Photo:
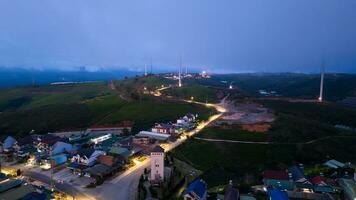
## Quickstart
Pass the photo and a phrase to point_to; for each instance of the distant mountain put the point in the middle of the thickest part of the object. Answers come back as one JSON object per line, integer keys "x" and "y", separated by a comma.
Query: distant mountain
{"x": 13, "y": 77}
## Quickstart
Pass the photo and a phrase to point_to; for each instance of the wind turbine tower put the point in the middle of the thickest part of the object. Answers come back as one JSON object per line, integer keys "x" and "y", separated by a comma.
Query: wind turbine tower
{"x": 145, "y": 69}
{"x": 151, "y": 65}
{"x": 321, "y": 98}
{"x": 179, "y": 73}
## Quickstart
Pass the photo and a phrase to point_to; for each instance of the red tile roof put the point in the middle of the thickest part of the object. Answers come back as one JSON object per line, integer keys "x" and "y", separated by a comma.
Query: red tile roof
{"x": 318, "y": 180}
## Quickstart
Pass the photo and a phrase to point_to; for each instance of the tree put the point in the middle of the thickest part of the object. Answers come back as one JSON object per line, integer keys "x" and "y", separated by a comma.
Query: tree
{"x": 18, "y": 172}
{"x": 125, "y": 132}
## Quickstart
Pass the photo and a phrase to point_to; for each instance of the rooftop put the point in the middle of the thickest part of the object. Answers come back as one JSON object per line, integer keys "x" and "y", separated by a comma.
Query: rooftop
{"x": 274, "y": 174}
{"x": 276, "y": 194}
{"x": 158, "y": 149}
{"x": 198, "y": 187}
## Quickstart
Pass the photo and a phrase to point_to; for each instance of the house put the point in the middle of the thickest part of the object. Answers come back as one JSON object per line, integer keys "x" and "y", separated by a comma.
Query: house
{"x": 98, "y": 170}
{"x": 297, "y": 174}
{"x": 108, "y": 160}
{"x": 334, "y": 164}
{"x": 156, "y": 136}
{"x": 320, "y": 185}
{"x": 61, "y": 147}
{"x": 117, "y": 129}
{"x": 121, "y": 152}
{"x": 277, "y": 179}
{"x": 142, "y": 140}
{"x": 107, "y": 144}
{"x": 275, "y": 194}
{"x": 77, "y": 168}
{"x": 45, "y": 142}
{"x": 15, "y": 189}
{"x": 231, "y": 193}
{"x": 9, "y": 144}
{"x": 26, "y": 141}
{"x": 53, "y": 161}
{"x": 157, "y": 164}
{"x": 166, "y": 128}
{"x": 188, "y": 118}
{"x": 87, "y": 156}
{"x": 127, "y": 141}
{"x": 35, "y": 196}
{"x": 349, "y": 188}
{"x": 196, "y": 190}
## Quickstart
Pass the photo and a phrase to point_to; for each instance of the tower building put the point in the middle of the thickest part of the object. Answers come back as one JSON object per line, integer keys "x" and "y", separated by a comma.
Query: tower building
{"x": 157, "y": 164}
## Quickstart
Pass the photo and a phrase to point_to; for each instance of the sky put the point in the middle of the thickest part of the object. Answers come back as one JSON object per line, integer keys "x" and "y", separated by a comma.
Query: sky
{"x": 215, "y": 35}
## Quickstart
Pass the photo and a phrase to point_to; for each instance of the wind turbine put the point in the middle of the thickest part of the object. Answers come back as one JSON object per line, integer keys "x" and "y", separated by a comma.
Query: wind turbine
{"x": 179, "y": 73}
{"x": 145, "y": 69}
{"x": 321, "y": 98}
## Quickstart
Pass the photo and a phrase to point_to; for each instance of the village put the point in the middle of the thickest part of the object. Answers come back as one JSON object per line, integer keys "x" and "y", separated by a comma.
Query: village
{"x": 81, "y": 158}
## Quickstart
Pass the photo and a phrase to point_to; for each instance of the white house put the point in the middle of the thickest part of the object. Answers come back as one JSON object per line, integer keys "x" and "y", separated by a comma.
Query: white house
{"x": 87, "y": 156}
{"x": 157, "y": 164}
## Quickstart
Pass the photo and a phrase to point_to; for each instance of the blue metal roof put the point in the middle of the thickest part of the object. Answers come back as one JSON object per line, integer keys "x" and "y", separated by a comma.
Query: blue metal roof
{"x": 9, "y": 142}
{"x": 198, "y": 187}
{"x": 275, "y": 194}
{"x": 297, "y": 172}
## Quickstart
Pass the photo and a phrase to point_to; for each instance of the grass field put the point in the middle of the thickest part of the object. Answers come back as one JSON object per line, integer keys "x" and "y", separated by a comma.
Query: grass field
{"x": 146, "y": 113}
{"x": 198, "y": 92}
{"x": 300, "y": 122}
{"x": 232, "y": 134}
{"x": 297, "y": 124}
{"x": 67, "y": 107}
{"x": 34, "y": 97}
{"x": 244, "y": 163}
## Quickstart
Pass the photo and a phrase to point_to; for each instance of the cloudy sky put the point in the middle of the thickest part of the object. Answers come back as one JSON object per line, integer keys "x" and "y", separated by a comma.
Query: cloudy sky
{"x": 216, "y": 35}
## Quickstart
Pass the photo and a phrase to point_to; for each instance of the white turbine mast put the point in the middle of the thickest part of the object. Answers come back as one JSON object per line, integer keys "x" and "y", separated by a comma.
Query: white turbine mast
{"x": 321, "y": 98}
{"x": 179, "y": 73}
{"x": 145, "y": 69}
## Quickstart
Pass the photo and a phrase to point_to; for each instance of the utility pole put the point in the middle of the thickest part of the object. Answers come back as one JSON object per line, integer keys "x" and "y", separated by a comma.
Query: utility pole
{"x": 51, "y": 162}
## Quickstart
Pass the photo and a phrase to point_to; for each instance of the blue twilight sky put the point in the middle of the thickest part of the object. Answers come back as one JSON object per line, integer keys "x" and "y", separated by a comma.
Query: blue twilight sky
{"x": 215, "y": 35}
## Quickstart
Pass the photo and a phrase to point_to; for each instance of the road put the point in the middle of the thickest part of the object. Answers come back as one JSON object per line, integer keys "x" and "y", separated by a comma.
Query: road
{"x": 64, "y": 187}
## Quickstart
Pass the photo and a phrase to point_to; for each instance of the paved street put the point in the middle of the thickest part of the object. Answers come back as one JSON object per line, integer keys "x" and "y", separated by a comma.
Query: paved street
{"x": 65, "y": 187}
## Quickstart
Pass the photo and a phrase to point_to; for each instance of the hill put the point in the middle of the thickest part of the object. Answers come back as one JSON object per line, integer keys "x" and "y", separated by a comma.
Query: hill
{"x": 77, "y": 106}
